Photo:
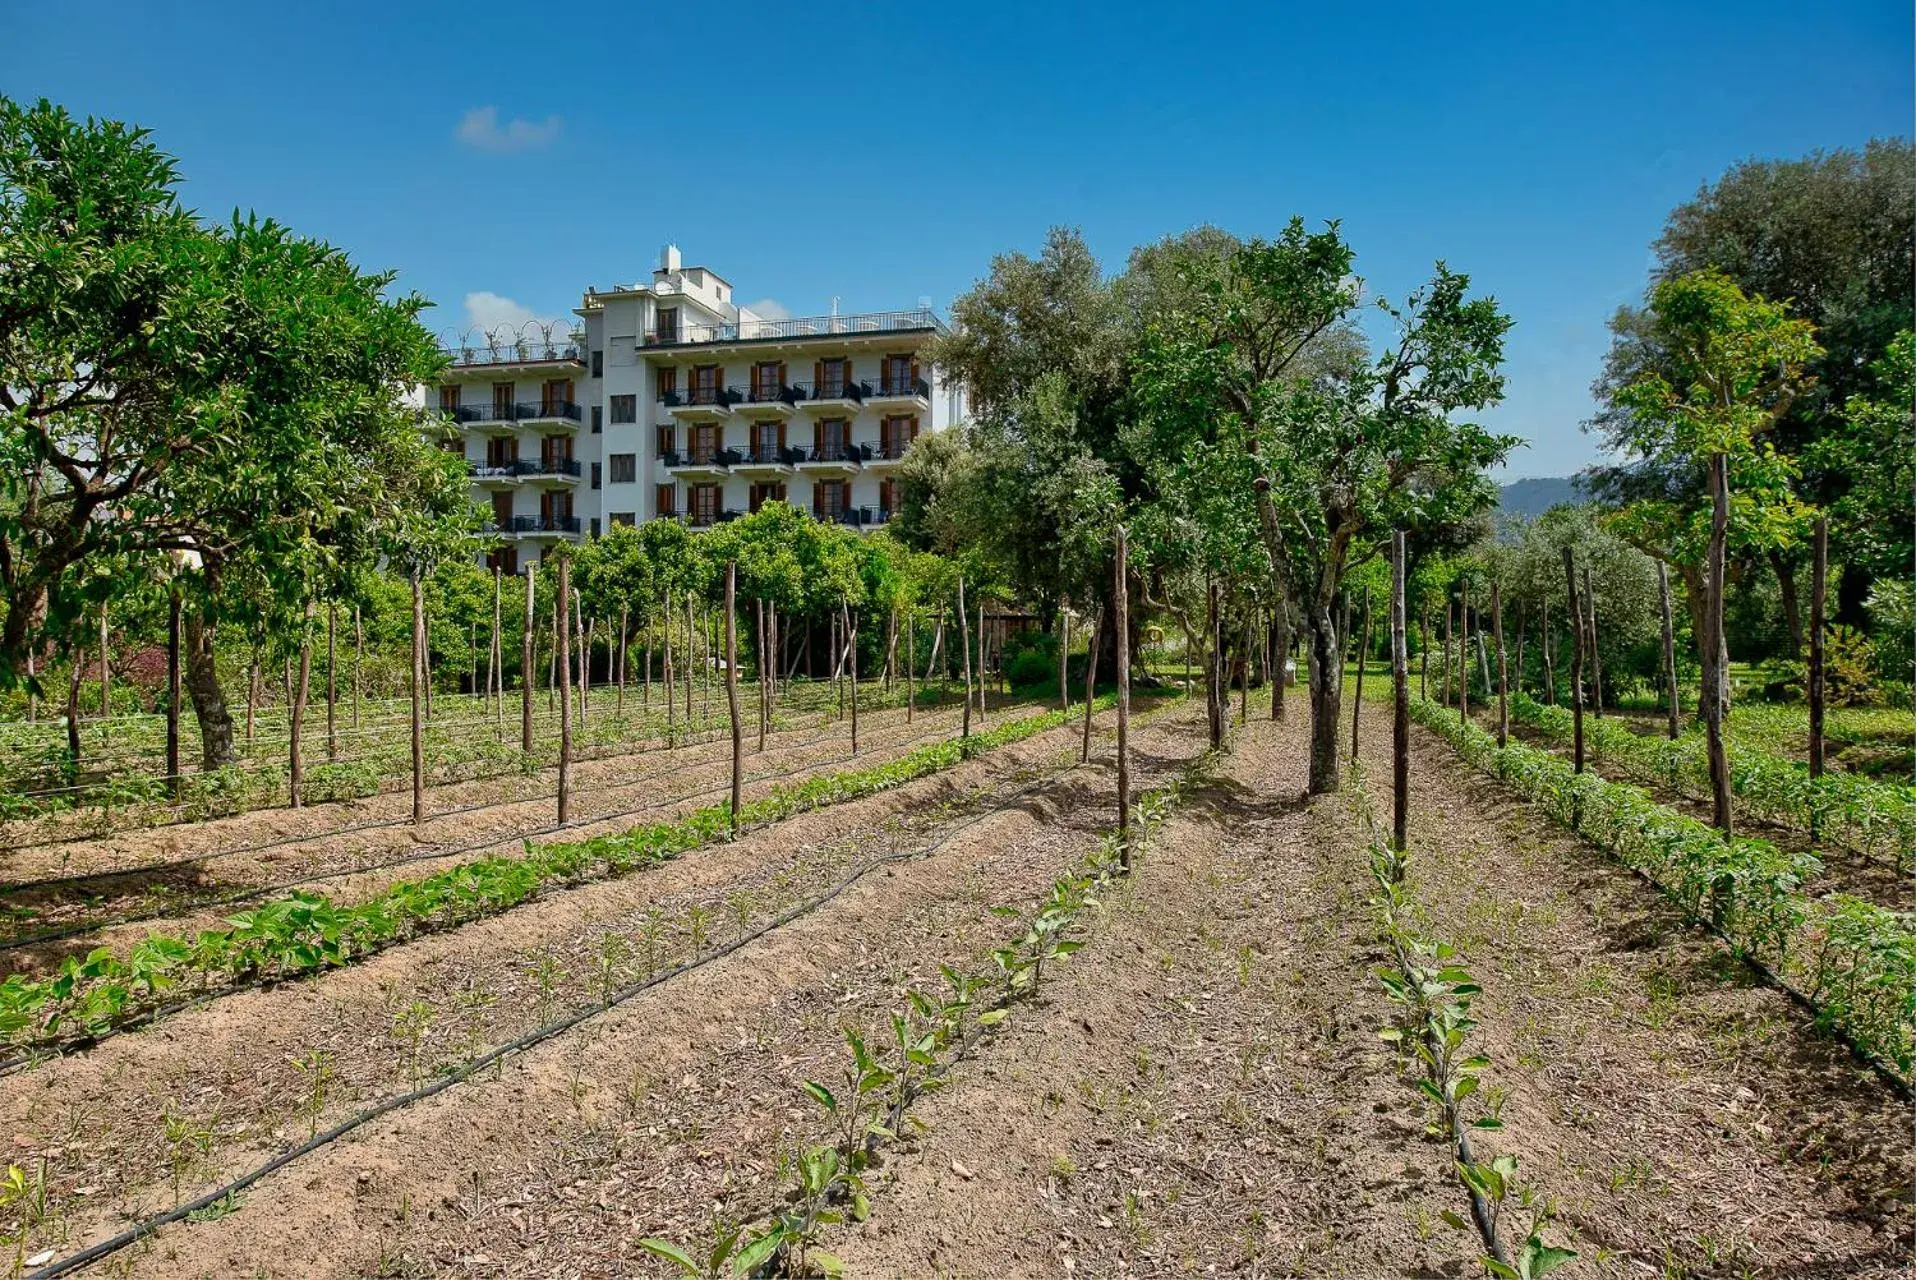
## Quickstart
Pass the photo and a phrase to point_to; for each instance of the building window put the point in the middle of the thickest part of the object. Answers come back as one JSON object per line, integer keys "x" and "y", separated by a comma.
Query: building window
{"x": 595, "y": 475}
{"x": 449, "y": 398}
{"x": 665, "y": 500}
{"x": 668, "y": 324}
{"x": 667, "y": 440}
{"x": 595, "y": 526}
{"x": 768, "y": 380}
{"x": 887, "y": 498}
{"x": 626, "y": 518}
{"x": 764, "y": 493}
{"x": 833, "y": 377}
{"x": 598, "y": 419}
{"x": 625, "y": 409}
{"x": 829, "y": 498}
{"x": 598, "y": 364}
{"x": 625, "y": 467}
{"x": 705, "y": 383}
{"x": 830, "y": 436}
{"x": 504, "y": 559}
{"x": 705, "y": 504}
{"x": 895, "y": 435}
{"x": 668, "y": 383}
{"x": 502, "y": 401}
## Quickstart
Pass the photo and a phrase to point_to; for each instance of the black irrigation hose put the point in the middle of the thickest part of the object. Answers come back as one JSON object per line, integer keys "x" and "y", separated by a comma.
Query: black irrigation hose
{"x": 39, "y": 1054}
{"x": 174, "y": 864}
{"x": 132, "y": 1235}
{"x": 447, "y": 851}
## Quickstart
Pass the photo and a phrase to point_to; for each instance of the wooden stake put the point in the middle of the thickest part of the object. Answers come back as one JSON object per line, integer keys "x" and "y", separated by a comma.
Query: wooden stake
{"x": 106, "y": 677}
{"x": 1091, "y": 637}
{"x": 252, "y": 697}
{"x": 763, "y": 688}
{"x": 359, "y": 656}
{"x": 911, "y": 663}
{"x": 731, "y": 694}
{"x": 527, "y": 662}
{"x": 1064, "y": 657}
{"x": 563, "y": 643}
{"x": 1450, "y": 620}
{"x": 1549, "y": 669}
{"x": 295, "y": 774}
{"x": 332, "y": 681}
{"x": 964, "y": 640}
{"x": 172, "y": 697}
{"x": 1819, "y": 676}
{"x": 1400, "y": 698}
{"x": 1119, "y": 633}
{"x": 495, "y": 676}
{"x": 624, "y": 623}
{"x": 851, "y": 660}
{"x": 1503, "y": 673}
{"x": 1463, "y": 652}
{"x": 691, "y": 636}
{"x": 416, "y": 683}
{"x": 671, "y": 696}
{"x": 1596, "y": 656}
{"x": 981, "y": 660}
{"x": 1357, "y": 704}
{"x": 1576, "y": 656}
{"x": 1669, "y": 650}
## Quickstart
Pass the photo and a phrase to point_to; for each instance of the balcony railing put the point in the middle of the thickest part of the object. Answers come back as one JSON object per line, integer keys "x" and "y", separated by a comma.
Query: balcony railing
{"x": 510, "y": 347}
{"x": 700, "y": 457}
{"x": 889, "y": 451}
{"x": 833, "y": 452}
{"x": 766, "y": 455}
{"x": 904, "y": 387}
{"x": 719, "y": 397}
{"x": 832, "y": 389}
{"x": 513, "y": 412}
{"x": 919, "y": 318}
{"x": 858, "y": 516}
{"x": 550, "y": 467}
{"x": 706, "y": 519}
{"x": 767, "y": 393}
{"x": 545, "y": 524}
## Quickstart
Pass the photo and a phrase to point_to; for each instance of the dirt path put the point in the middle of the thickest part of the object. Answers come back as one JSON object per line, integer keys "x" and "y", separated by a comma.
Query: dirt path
{"x": 239, "y": 1075}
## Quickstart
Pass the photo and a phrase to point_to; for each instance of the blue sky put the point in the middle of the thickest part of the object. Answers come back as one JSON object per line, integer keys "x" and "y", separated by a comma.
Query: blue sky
{"x": 512, "y": 154}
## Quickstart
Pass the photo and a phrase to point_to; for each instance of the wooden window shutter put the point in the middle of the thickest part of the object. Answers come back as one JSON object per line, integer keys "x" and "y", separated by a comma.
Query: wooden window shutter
{"x": 818, "y": 498}
{"x": 781, "y": 437}
{"x": 818, "y": 378}
{"x": 884, "y": 437}
{"x": 914, "y": 371}
{"x": 818, "y": 437}
{"x": 914, "y": 428}
{"x": 781, "y": 376}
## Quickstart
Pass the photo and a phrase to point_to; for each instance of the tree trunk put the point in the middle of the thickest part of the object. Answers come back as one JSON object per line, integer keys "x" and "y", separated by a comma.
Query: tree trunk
{"x": 209, "y": 700}
{"x": 1213, "y": 694}
{"x": 1327, "y": 678}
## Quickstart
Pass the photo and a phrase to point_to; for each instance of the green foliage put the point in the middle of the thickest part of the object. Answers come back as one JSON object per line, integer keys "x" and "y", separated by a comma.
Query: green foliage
{"x": 1854, "y": 960}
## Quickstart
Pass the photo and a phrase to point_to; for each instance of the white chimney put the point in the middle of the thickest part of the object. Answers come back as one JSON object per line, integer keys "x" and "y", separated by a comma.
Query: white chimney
{"x": 669, "y": 258}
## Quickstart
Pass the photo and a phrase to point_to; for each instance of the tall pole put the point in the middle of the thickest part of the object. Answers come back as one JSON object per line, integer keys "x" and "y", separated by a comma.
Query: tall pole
{"x": 671, "y": 694}
{"x": 418, "y": 666}
{"x": 1450, "y": 619}
{"x": 1819, "y": 692}
{"x": 172, "y": 692}
{"x": 1716, "y": 680}
{"x": 851, "y": 658}
{"x": 1576, "y": 655}
{"x": 295, "y": 778}
{"x": 964, "y": 641}
{"x": 1400, "y": 698}
{"x": 625, "y": 619}
{"x": 564, "y": 642}
{"x": 763, "y": 688}
{"x": 1549, "y": 658}
{"x": 981, "y": 660}
{"x": 332, "y": 681}
{"x": 911, "y": 662}
{"x": 1064, "y": 657}
{"x": 106, "y": 678}
{"x": 1596, "y": 657}
{"x": 1092, "y": 635}
{"x": 1503, "y": 670}
{"x": 691, "y": 633}
{"x": 731, "y": 691}
{"x": 1669, "y": 650}
{"x": 526, "y": 661}
{"x": 1463, "y": 651}
{"x": 495, "y": 675}
{"x": 1363, "y": 653}
{"x": 359, "y": 660}
{"x": 1122, "y": 591}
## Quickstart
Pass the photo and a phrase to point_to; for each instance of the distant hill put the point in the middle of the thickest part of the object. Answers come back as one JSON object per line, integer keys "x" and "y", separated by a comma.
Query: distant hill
{"x": 1531, "y": 498}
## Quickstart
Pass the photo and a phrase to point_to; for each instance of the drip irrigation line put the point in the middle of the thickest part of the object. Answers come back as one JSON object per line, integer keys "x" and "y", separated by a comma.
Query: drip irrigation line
{"x": 38, "y": 1054}
{"x": 1884, "y": 1070}
{"x": 531, "y": 1039}
{"x": 180, "y": 818}
{"x": 149, "y": 868}
{"x": 451, "y": 851}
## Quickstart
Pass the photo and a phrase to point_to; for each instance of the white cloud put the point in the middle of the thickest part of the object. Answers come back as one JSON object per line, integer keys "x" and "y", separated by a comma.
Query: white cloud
{"x": 487, "y": 310}
{"x": 769, "y": 309}
{"x": 479, "y": 128}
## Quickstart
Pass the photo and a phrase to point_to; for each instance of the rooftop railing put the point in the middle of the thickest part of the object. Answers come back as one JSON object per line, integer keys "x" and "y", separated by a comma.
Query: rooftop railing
{"x": 866, "y": 322}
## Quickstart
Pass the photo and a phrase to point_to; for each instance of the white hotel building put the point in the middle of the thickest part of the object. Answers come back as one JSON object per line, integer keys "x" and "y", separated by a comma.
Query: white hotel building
{"x": 673, "y": 402}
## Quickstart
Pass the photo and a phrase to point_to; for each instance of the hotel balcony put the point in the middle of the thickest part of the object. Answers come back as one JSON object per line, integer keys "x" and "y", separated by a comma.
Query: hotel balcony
{"x": 546, "y": 528}
{"x": 833, "y": 460}
{"x": 702, "y": 404}
{"x": 832, "y": 398}
{"x": 534, "y": 348}
{"x": 887, "y": 456}
{"x": 553, "y": 473}
{"x": 760, "y": 463}
{"x": 498, "y": 475}
{"x": 765, "y": 401}
{"x": 857, "y": 517}
{"x": 500, "y": 419}
{"x": 872, "y": 324}
{"x": 706, "y": 519}
{"x": 698, "y": 464}
{"x": 889, "y": 394}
